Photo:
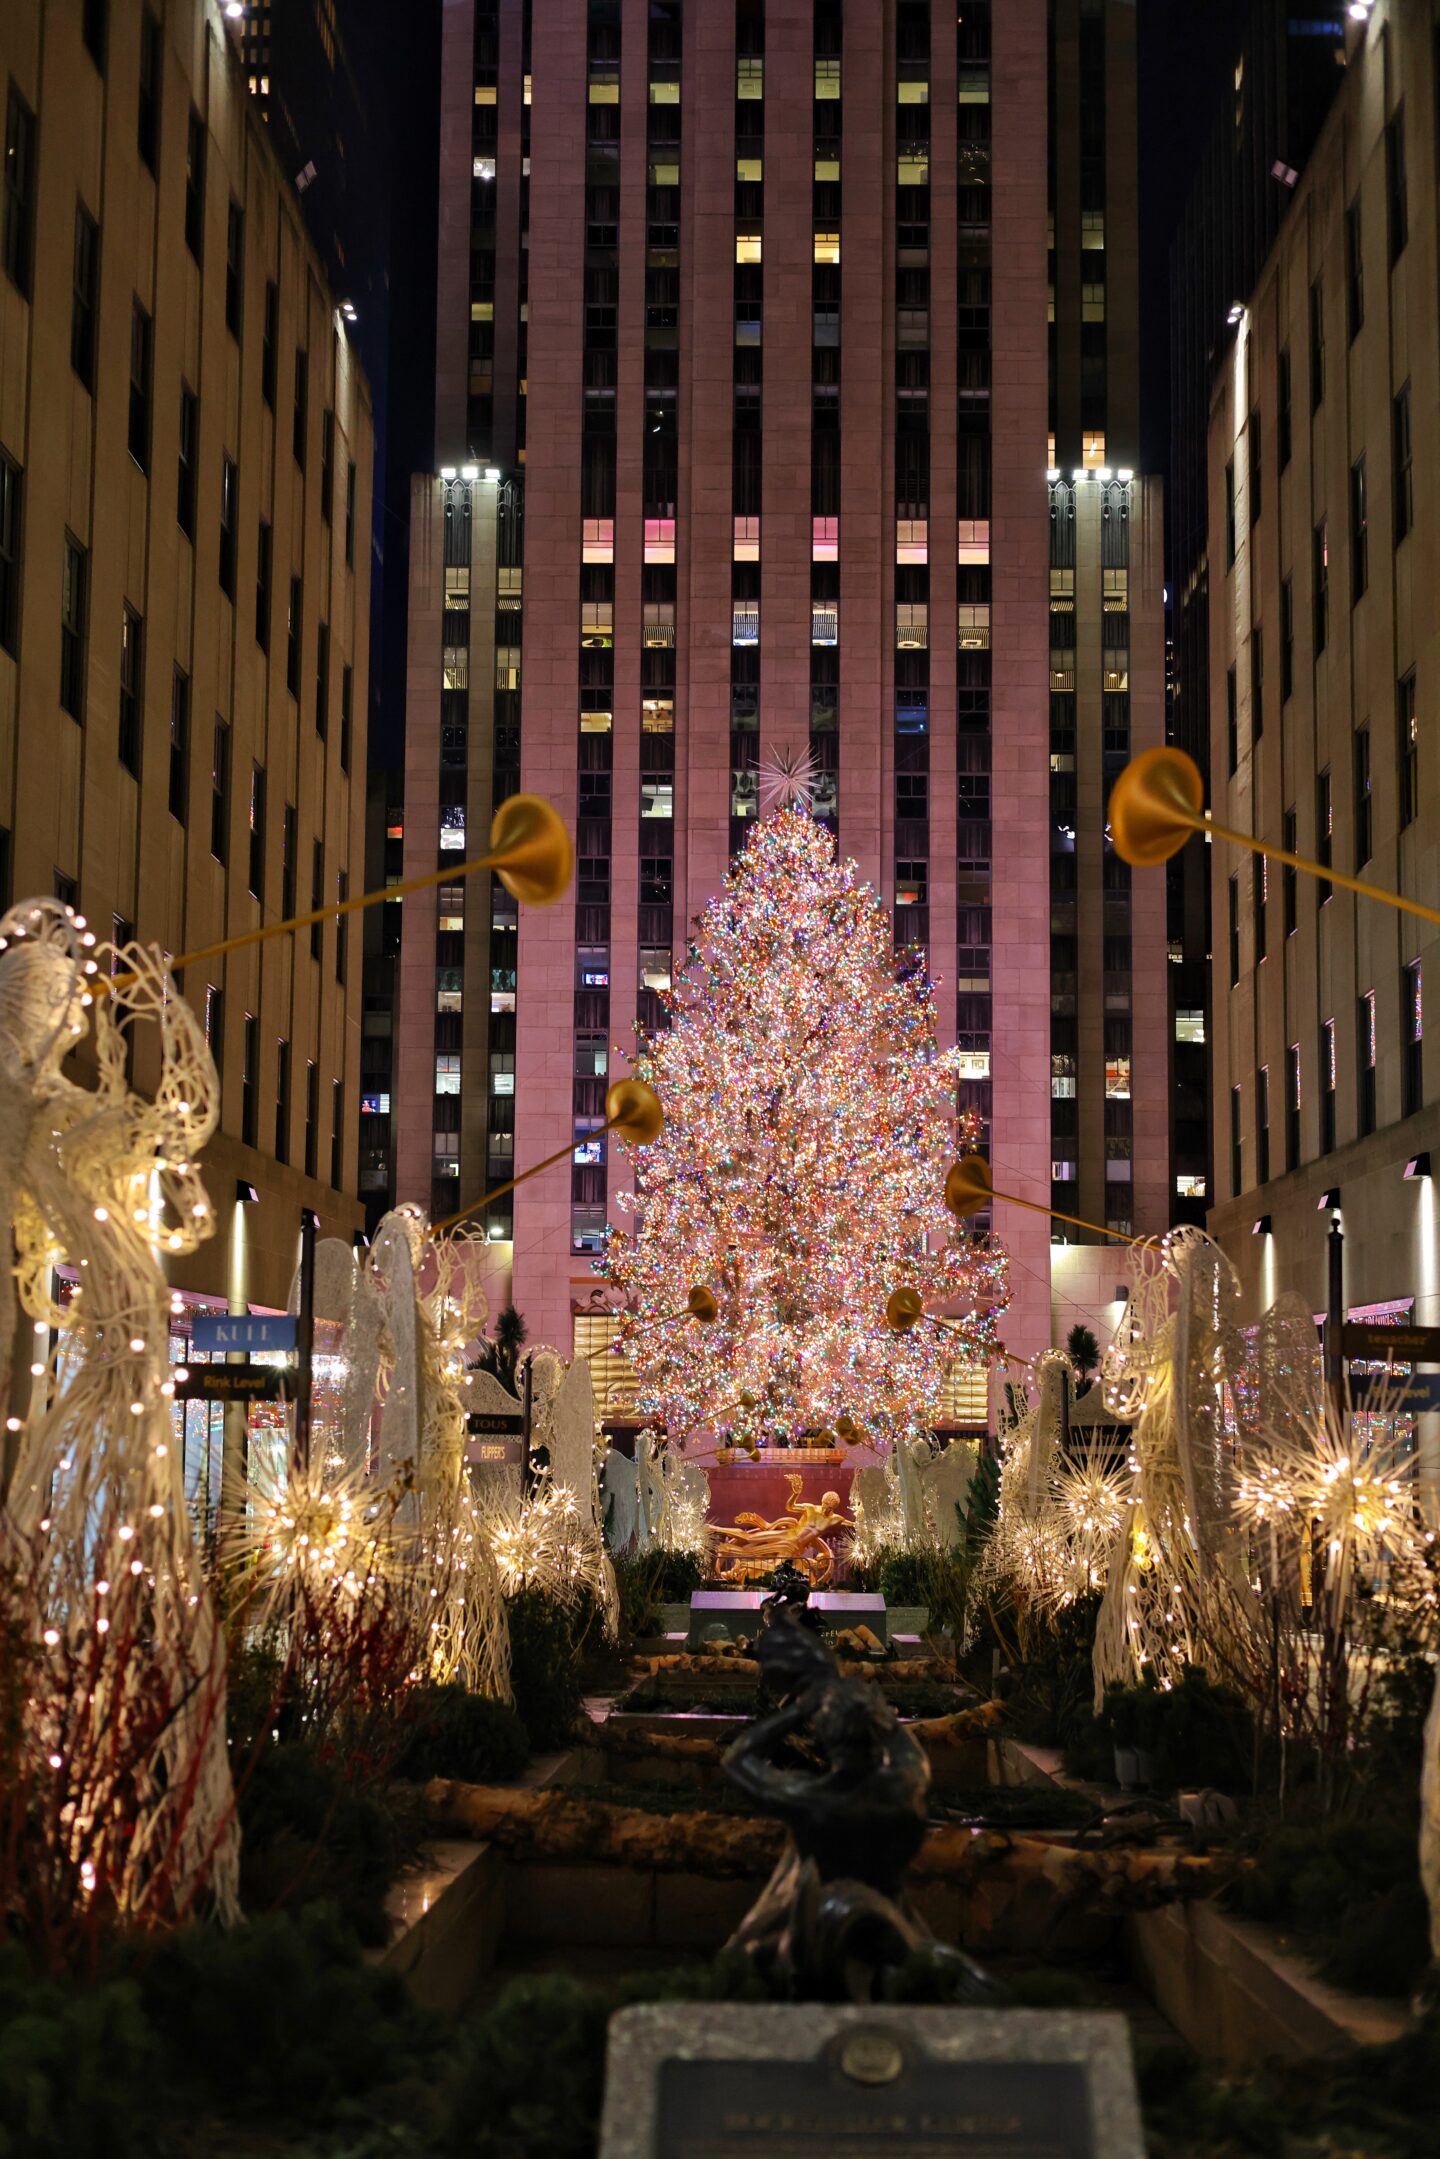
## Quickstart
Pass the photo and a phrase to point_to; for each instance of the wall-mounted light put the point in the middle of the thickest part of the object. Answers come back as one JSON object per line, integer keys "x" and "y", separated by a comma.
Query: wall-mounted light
{"x": 1418, "y": 1165}
{"x": 360, "y": 1242}
{"x": 347, "y": 309}
{"x": 469, "y": 472}
{"x": 1082, "y": 474}
{"x": 447, "y": 472}
{"x": 1126, "y": 474}
{"x": 1329, "y": 1201}
{"x": 1102, "y": 472}
{"x": 1052, "y": 472}
{"x": 1260, "y": 1227}
{"x": 245, "y": 1194}
{"x": 492, "y": 472}
{"x": 1237, "y": 309}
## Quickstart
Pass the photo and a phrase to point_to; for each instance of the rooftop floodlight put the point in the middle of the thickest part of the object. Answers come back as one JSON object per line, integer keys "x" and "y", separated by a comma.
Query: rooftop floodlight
{"x": 1418, "y": 1166}
{"x": 1102, "y": 472}
{"x": 1260, "y": 1227}
{"x": 447, "y": 472}
{"x": 492, "y": 472}
{"x": 234, "y": 9}
{"x": 469, "y": 472}
{"x": 1052, "y": 472}
{"x": 1080, "y": 474}
{"x": 245, "y": 1193}
{"x": 1237, "y": 309}
{"x": 1126, "y": 472}
{"x": 1329, "y": 1199}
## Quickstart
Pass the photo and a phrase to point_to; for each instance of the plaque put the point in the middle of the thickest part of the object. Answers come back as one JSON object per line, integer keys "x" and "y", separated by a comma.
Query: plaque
{"x": 783, "y": 2082}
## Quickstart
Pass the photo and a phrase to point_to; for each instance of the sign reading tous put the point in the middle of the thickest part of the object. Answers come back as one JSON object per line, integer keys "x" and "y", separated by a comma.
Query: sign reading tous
{"x": 780, "y": 2082}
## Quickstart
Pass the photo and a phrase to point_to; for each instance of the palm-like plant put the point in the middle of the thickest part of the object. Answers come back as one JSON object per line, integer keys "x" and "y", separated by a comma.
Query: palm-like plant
{"x": 500, "y": 1353}
{"x": 1083, "y": 1351}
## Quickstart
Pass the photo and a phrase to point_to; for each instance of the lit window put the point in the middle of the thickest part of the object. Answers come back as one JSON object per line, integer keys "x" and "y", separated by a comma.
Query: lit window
{"x": 744, "y": 793}
{"x": 451, "y": 910}
{"x": 659, "y": 624}
{"x": 912, "y": 93}
{"x": 745, "y": 622}
{"x": 1092, "y": 228}
{"x": 507, "y": 667}
{"x": 595, "y": 720}
{"x": 1117, "y": 1079}
{"x": 912, "y": 542}
{"x": 1117, "y": 1170}
{"x": 972, "y": 621}
{"x": 972, "y": 540}
{"x": 1092, "y": 303}
{"x": 1190, "y": 1185}
{"x": 659, "y": 539}
{"x": 604, "y": 86}
{"x": 657, "y": 798}
{"x": 1092, "y": 449}
{"x": 588, "y": 1151}
{"x": 447, "y": 1154}
{"x": 827, "y": 247}
{"x": 509, "y": 587}
{"x": 824, "y": 539}
{"x": 827, "y": 168}
{"x": 502, "y": 1001}
{"x": 825, "y": 622}
{"x": 655, "y": 967}
{"x": 747, "y": 539}
{"x": 657, "y": 716}
{"x": 972, "y": 1064}
{"x": 1063, "y": 1088}
{"x": 452, "y": 829}
{"x": 597, "y": 625}
{"x": 455, "y": 668}
{"x": 1190, "y": 1025}
{"x": 664, "y": 172}
{"x": 485, "y": 93}
{"x": 911, "y": 889}
{"x": 484, "y": 168}
{"x": 747, "y": 247}
{"x": 1115, "y": 590}
{"x": 449, "y": 994}
{"x": 597, "y": 539}
{"x": 913, "y": 167}
{"x": 374, "y": 1105}
{"x": 1062, "y": 1173}
{"x": 974, "y": 87}
{"x": 750, "y": 78}
{"x": 502, "y": 1083}
{"x": 827, "y": 78}
{"x": 912, "y": 625}
{"x": 749, "y": 170}
{"x": 447, "y": 1075}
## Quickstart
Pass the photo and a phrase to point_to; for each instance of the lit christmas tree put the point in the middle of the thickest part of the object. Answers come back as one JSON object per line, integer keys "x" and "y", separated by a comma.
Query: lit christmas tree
{"x": 809, "y": 1121}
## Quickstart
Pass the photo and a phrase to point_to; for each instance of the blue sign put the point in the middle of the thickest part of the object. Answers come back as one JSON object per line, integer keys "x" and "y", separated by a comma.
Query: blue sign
{"x": 1411, "y": 1394}
{"x": 217, "y": 1332}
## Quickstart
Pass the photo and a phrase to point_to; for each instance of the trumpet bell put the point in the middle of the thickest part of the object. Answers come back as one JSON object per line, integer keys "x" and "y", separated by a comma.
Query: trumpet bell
{"x": 532, "y": 852}
{"x": 968, "y": 1189}
{"x": 633, "y": 1112}
{"x": 1155, "y": 805}
{"x": 903, "y": 1310}
{"x": 701, "y": 1304}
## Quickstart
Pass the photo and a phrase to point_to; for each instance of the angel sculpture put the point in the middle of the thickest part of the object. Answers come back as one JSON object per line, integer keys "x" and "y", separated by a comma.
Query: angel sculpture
{"x": 125, "y": 1743}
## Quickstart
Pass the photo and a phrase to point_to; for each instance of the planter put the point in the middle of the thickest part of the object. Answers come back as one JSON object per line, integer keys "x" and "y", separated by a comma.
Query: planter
{"x": 907, "y": 1618}
{"x": 1127, "y": 1768}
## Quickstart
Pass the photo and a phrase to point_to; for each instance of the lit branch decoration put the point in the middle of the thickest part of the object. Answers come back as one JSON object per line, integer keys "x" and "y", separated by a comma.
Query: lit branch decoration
{"x": 809, "y": 1121}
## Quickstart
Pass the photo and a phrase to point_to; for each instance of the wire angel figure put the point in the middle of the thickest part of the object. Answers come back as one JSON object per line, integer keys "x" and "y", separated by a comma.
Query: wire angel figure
{"x": 130, "y": 1804}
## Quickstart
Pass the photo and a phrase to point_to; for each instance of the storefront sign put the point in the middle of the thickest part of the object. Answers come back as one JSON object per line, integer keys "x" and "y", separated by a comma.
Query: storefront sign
{"x": 213, "y": 1333}
{"x": 1398, "y": 1345}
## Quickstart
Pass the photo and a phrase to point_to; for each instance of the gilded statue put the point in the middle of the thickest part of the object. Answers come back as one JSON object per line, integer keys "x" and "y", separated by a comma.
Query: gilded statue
{"x": 754, "y": 1546}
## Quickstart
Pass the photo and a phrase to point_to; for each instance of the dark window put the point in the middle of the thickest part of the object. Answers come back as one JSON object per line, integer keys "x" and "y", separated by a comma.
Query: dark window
{"x": 322, "y": 679}
{"x": 1327, "y": 1087}
{"x": 1262, "y": 1125}
{"x": 350, "y": 513}
{"x": 342, "y": 923}
{"x": 11, "y": 489}
{"x": 1412, "y": 1040}
{"x": 1236, "y": 1158}
{"x": 289, "y": 857}
{"x": 1320, "y": 586}
{"x": 140, "y": 350}
{"x": 1257, "y": 683}
{"x": 1290, "y": 876}
{"x": 1232, "y": 723}
{"x": 327, "y": 465}
{"x": 1359, "y": 532}
{"x": 17, "y": 233}
{"x": 220, "y": 792}
{"x": 215, "y": 1023}
{"x": 93, "y": 26}
{"x": 234, "y": 268}
{"x": 132, "y": 691}
{"x": 1317, "y": 345}
{"x": 292, "y": 637}
{"x": 282, "y": 1100}
{"x": 229, "y": 488}
{"x": 195, "y": 186}
{"x": 1396, "y": 194}
{"x": 1404, "y": 482}
{"x": 1354, "y": 271}
{"x": 1407, "y": 747}
{"x": 312, "y": 1116}
{"x": 1282, "y": 409}
{"x": 189, "y": 450}
{"x": 1232, "y": 890}
{"x": 151, "y": 57}
{"x": 264, "y": 571}
{"x": 1365, "y": 1060}
{"x": 1287, "y": 639}
{"x": 1292, "y": 1106}
{"x": 1324, "y": 833}
{"x": 74, "y": 583}
{"x": 302, "y": 400}
{"x": 1229, "y": 514}
{"x": 179, "y": 744}
{"x": 82, "y": 303}
{"x": 256, "y": 870}
{"x": 317, "y": 895}
{"x": 1253, "y": 463}
{"x": 67, "y": 890}
{"x": 347, "y": 696}
{"x": 1362, "y": 796}
{"x": 250, "y": 1080}
{"x": 268, "y": 341}
{"x": 337, "y": 1134}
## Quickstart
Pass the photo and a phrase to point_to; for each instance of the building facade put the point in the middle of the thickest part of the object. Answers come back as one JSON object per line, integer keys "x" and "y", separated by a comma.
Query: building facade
{"x": 786, "y": 401}
{"x": 1324, "y": 659}
{"x": 185, "y": 474}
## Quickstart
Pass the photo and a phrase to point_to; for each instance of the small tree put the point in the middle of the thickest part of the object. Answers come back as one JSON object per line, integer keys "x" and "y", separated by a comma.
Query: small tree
{"x": 500, "y": 1352}
{"x": 1083, "y": 1351}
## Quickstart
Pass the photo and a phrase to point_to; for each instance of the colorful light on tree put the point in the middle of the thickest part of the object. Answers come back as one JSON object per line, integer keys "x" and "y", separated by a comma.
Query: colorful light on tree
{"x": 809, "y": 1123}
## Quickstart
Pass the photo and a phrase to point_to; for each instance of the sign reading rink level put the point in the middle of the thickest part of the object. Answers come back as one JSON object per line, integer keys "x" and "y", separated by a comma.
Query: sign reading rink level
{"x": 1396, "y": 1394}
{"x": 234, "y": 1383}
{"x": 215, "y": 1333}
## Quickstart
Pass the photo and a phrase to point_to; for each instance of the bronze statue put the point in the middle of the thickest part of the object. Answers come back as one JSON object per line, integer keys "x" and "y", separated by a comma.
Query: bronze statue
{"x": 752, "y": 1545}
{"x": 851, "y": 1785}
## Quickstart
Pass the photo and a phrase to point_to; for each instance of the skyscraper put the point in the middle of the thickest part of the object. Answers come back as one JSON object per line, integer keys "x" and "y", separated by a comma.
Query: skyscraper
{"x": 753, "y": 440}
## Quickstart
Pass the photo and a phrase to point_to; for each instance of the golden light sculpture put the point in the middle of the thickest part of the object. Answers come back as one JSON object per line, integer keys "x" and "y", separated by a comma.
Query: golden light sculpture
{"x": 968, "y": 1190}
{"x": 531, "y": 852}
{"x": 633, "y": 1112}
{"x": 703, "y": 1305}
{"x": 753, "y": 1545}
{"x": 1159, "y": 800}
{"x": 904, "y": 1310}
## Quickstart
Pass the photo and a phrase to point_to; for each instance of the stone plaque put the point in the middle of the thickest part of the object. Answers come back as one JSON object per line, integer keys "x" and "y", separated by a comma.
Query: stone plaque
{"x": 743, "y": 2082}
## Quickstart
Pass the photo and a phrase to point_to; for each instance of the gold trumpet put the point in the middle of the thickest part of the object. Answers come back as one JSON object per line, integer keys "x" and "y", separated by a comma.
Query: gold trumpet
{"x": 1159, "y": 800}
{"x": 969, "y": 1190}
{"x": 632, "y": 1112}
{"x": 904, "y": 1310}
{"x": 700, "y": 1304}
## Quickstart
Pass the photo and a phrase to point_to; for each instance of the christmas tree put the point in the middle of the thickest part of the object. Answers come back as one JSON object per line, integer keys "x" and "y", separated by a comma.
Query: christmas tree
{"x": 809, "y": 1120}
